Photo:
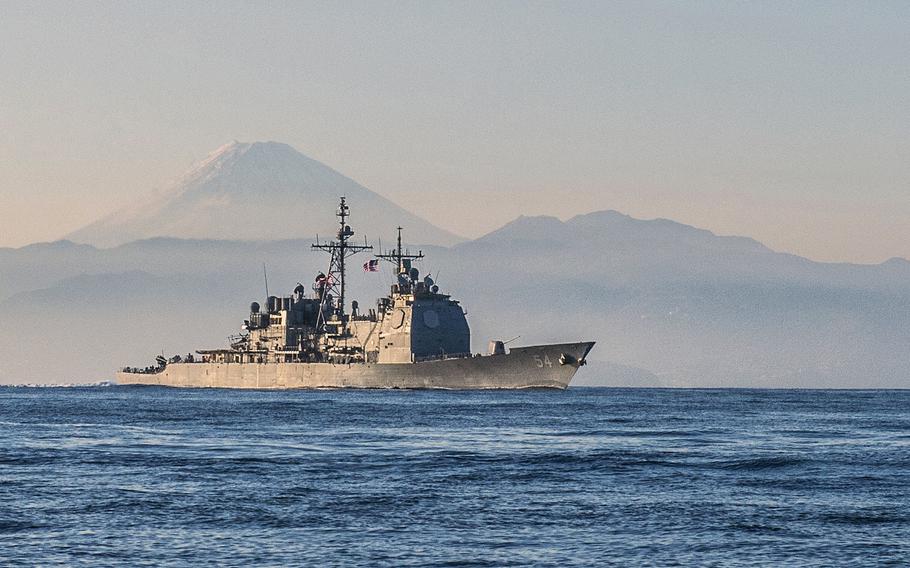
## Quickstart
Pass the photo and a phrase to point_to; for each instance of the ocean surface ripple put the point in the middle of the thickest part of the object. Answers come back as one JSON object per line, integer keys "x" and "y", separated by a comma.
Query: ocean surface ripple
{"x": 143, "y": 476}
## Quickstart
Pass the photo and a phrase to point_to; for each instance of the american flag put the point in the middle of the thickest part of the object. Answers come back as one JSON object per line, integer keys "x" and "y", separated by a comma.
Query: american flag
{"x": 371, "y": 265}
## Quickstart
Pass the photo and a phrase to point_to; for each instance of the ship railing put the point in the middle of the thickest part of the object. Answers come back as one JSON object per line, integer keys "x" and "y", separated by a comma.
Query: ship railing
{"x": 143, "y": 370}
{"x": 442, "y": 357}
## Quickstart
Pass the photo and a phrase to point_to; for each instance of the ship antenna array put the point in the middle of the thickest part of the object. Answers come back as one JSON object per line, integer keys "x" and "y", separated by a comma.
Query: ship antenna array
{"x": 399, "y": 255}
{"x": 340, "y": 250}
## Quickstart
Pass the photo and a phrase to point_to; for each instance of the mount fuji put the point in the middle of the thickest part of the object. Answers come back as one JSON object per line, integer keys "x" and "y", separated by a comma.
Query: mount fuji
{"x": 257, "y": 191}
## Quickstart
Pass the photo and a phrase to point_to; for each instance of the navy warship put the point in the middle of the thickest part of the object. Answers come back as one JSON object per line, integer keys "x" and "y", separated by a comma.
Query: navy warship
{"x": 415, "y": 338}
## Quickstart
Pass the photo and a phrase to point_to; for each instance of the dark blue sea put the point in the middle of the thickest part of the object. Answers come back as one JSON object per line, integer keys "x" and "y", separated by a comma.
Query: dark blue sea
{"x": 143, "y": 476}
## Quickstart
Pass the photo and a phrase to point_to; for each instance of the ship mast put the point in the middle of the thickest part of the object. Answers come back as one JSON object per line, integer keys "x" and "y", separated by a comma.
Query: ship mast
{"x": 340, "y": 250}
{"x": 399, "y": 255}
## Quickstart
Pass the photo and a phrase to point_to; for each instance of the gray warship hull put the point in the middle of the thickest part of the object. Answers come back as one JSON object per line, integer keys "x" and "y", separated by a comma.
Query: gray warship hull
{"x": 540, "y": 366}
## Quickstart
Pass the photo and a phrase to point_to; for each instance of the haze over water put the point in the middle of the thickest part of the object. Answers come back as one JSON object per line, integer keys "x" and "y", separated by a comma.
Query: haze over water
{"x": 147, "y": 476}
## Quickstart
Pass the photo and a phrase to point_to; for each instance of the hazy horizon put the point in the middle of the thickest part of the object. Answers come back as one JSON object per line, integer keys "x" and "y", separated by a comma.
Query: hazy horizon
{"x": 783, "y": 123}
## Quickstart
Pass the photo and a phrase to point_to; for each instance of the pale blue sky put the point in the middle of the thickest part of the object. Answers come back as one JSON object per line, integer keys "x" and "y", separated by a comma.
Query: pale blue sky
{"x": 788, "y": 122}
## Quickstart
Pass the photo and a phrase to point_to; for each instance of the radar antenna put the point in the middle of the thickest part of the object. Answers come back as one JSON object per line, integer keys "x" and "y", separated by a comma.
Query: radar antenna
{"x": 398, "y": 256}
{"x": 340, "y": 250}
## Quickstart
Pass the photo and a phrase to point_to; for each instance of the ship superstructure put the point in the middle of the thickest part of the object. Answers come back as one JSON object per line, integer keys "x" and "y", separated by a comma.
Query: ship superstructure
{"x": 415, "y": 337}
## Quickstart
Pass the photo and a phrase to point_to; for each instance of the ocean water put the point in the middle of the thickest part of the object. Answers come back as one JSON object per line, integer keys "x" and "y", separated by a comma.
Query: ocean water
{"x": 142, "y": 476}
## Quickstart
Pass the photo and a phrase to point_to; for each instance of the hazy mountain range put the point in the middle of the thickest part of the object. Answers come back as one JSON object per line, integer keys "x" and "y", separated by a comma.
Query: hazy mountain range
{"x": 668, "y": 304}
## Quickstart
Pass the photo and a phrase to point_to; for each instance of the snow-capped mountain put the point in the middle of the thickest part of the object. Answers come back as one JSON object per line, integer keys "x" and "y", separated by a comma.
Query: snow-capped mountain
{"x": 257, "y": 191}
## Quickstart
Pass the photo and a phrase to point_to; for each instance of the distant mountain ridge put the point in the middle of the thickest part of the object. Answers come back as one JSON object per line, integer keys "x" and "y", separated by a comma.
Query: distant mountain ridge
{"x": 669, "y": 304}
{"x": 256, "y": 191}
{"x": 612, "y": 226}
{"x": 612, "y": 248}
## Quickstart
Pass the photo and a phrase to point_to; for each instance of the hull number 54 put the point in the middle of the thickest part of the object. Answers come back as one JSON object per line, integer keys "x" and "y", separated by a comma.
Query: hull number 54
{"x": 541, "y": 363}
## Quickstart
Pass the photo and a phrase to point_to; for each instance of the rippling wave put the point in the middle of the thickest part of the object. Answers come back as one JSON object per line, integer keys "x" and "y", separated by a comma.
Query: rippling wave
{"x": 151, "y": 476}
